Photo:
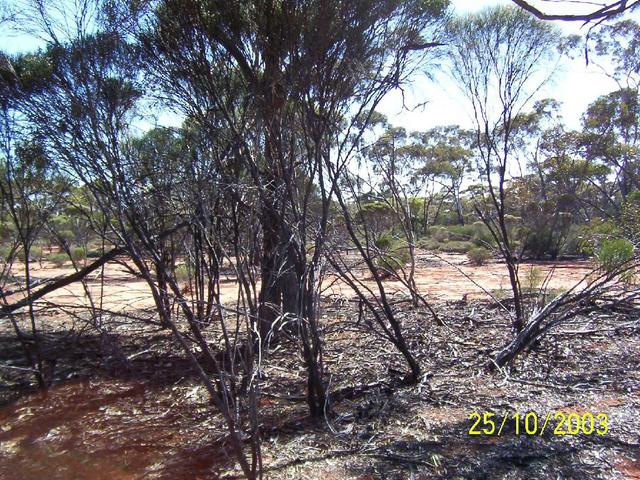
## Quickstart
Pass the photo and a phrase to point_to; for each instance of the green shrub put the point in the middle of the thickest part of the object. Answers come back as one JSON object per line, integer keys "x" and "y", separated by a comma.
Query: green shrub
{"x": 4, "y": 253}
{"x": 456, "y": 246}
{"x": 394, "y": 259}
{"x": 94, "y": 253}
{"x": 593, "y": 235}
{"x": 67, "y": 235}
{"x": 427, "y": 243}
{"x": 57, "y": 259}
{"x": 481, "y": 235}
{"x": 461, "y": 232}
{"x": 182, "y": 273}
{"x": 384, "y": 241}
{"x": 533, "y": 278}
{"x": 613, "y": 253}
{"x": 35, "y": 253}
{"x": 571, "y": 244}
{"x": 440, "y": 234}
{"x": 78, "y": 253}
{"x": 479, "y": 255}
{"x": 630, "y": 218}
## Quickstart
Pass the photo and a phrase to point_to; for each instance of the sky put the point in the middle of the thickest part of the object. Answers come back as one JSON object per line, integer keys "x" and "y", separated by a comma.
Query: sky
{"x": 575, "y": 86}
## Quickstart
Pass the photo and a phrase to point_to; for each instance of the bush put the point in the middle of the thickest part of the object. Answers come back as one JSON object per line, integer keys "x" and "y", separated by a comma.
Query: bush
{"x": 613, "y": 253}
{"x": 393, "y": 260}
{"x": 440, "y": 235}
{"x": 462, "y": 232}
{"x": 78, "y": 253}
{"x": 182, "y": 273}
{"x": 4, "y": 253}
{"x": 481, "y": 234}
{"x": 57, "y": 259}
{"x": 35, "y": 253}
{"x": 427, "y": 243}
{"x": 533, "y": 279}
{"x": 478, "y": 255}
{"x": 456, "y": 246}
{"x": 592, "y": 236}
{"x": 384, "y": 241}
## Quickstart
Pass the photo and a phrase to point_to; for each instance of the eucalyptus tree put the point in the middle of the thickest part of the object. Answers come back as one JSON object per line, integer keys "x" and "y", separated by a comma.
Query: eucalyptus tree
{"x": 289, "y": 80}
{"x": 445, "y": 154}
{"x": 619, "y": 43}
{"x": 611, "y": 137}
{"x": 500, "y": 58}
{"x": 80, "y": 95}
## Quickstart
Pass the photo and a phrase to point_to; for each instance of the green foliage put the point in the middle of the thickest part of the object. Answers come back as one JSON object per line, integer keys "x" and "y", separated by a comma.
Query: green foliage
{"x": 78, "y": 253}
{"x": 182, "y": 273}
{"x": 93, "y": 253}
{"x": 393, "y": 258}
{"x": 35, "y": 253}
{"x": 58, "y": 259}
{"x": 594, "y": 234}
{"x": 630, "y": 218}
{"x": 533, "y": 278}
{"x": 615, "y": 252}
{"x": 478, "y": 255}
{"x": 452, "y": 246}
{"x": 67, "y": 235}
{"x": 457, "y": 246}
{"x": 384, "y": 241}
{"x": 481, "y": 234}
{"x": 439, "y": 234}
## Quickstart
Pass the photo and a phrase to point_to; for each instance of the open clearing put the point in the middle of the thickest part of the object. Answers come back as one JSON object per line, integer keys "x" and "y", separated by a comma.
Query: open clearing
{"x": 442, "y": 277}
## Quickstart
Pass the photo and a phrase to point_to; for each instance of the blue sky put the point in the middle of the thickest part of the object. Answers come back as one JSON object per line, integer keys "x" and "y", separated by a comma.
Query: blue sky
{"x": 576, "y": 86}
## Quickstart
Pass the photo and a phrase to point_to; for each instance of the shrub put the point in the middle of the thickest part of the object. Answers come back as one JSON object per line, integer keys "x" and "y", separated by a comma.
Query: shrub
{"x": 57, "y": 259}
{"x": 182, "y": 273}
{"x": 94, "y": 254}
{"x": 462, "y": 232}
{"x": 456, "y": 246}
{"x": 440, "y": 235}
{"x": 481, "y": 235}
{"x": 384, "y": 241}
{"x": 78, "y": 253}
{"x": 613, "y": 253}
{"x": 4, "y": 253}
{"x": 427, "y": 243}
{"x": 478, "y": 255}
{"x": 67, "y": 235}
{"x": 393, "y": 260}
{"x": 533, "y": 278}
{"x": 35, "y": 253}
{"x": 592, "y": 236}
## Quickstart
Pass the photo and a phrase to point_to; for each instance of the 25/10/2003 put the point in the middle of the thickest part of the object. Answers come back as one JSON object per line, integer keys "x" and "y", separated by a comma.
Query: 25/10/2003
{"x": 561, "y": 423}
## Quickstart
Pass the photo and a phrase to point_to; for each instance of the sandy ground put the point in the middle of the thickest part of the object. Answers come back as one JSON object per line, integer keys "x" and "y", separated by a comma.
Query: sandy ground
{"x": 441, "y": 278}
{"x": 149, "y": 417}
{"x": 128, "y": 405}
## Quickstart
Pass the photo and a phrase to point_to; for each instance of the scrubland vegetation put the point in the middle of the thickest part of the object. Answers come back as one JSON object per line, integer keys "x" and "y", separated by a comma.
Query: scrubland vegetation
{"x": 232, "y": 158}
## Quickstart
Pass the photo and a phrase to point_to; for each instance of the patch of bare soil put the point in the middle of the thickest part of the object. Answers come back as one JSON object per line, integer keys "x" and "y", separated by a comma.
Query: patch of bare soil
{"x": 440, "y": 278}
{"x": 127, "y": 407}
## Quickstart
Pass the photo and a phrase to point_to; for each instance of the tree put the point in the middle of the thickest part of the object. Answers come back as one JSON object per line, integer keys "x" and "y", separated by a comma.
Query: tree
{"x": 619, "y": 43}
{"x": 500, "y": 58}
{"x": 446, "y": 154}
{"x": 298, "y": 73}
{"x": 611, "y": 136}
